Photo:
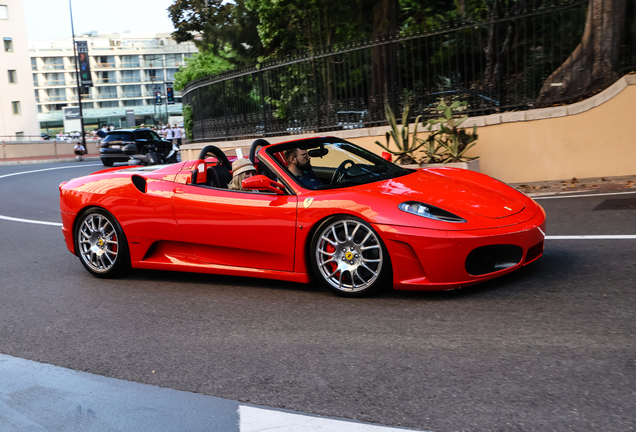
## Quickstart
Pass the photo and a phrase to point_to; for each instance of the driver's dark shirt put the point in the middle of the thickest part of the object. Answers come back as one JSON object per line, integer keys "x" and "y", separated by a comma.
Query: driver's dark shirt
{"x": 309, "y": 179}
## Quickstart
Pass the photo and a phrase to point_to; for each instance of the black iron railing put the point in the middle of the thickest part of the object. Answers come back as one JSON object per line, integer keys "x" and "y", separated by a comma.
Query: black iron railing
{"x": 496, "y": 63}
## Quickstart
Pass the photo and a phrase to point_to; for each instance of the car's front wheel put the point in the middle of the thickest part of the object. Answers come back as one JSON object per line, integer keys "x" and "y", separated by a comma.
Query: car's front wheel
{"x": 101, "y": 244}
{"x": 349, "y": 257}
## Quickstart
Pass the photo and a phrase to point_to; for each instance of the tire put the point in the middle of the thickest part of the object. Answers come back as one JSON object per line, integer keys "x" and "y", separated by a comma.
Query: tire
{"x": 101, "y": 244}
{"x": 349, "y": 258}
{"x": 107, "y": 163}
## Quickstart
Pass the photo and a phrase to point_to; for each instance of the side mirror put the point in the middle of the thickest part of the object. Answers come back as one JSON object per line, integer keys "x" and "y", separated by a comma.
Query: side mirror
{"x": 263, "y": 183}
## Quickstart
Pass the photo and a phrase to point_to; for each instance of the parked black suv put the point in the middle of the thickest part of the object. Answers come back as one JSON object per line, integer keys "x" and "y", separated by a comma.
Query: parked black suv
{"x": 111, "y": 149}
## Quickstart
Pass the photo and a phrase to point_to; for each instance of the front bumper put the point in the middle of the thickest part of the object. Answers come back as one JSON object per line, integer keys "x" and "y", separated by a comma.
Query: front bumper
{"x": 425, "y": 259}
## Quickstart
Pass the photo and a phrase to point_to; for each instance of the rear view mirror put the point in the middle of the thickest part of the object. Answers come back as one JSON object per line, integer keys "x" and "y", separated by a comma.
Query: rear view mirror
{"x": 314, "y": 153}
{"x": 264, "y": 184}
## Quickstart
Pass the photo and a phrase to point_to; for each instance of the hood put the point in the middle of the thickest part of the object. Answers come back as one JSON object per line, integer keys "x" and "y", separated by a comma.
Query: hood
{"x": 453, "y": 191}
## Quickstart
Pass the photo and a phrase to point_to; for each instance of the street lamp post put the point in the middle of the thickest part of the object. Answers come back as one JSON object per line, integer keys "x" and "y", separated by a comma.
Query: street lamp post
{"x": 77, "y": 79}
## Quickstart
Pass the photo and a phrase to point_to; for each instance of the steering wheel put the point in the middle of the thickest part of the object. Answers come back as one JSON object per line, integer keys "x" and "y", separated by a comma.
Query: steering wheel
{"x": 340, "y": 171}
{"x": 256, "y": 144}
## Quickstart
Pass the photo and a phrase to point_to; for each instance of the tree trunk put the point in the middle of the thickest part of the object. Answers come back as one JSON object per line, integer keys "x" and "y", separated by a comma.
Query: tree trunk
{"x": 594, "y": 62}
{"x": 385, "y": 17}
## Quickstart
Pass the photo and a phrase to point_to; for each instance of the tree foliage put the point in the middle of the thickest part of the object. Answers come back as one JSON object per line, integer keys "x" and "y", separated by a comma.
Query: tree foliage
{"x": 229, "y": 30}
{"x": 286, "y": 26}
{"x": 200, "y": 65}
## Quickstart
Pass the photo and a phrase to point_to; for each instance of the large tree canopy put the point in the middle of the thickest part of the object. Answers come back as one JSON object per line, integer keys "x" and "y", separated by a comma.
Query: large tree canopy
{"x": 227, "y": 29}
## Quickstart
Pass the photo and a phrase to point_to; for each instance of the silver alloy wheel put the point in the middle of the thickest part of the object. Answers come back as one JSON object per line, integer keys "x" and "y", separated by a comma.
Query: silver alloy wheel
{"x": 349, "y": 255}
{"x": 98, "y": 242}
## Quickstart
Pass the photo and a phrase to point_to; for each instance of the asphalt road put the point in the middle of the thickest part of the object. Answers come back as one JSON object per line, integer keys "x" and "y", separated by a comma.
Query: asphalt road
{"x": 550, "y": 347}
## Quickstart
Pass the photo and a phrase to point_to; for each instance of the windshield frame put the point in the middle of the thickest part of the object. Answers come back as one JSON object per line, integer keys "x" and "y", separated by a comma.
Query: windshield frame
{"x": 393, "y": 171}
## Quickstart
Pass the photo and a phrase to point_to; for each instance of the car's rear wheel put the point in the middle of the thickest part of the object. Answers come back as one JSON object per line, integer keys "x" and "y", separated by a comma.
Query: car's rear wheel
{"x": 107, "y": 163}
{"x": 349, "y": 257}
{"x": 101, "y": 244}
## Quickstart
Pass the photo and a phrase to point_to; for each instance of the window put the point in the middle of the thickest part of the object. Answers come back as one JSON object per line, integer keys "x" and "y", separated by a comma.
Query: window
{"x": 54, "y": 79}
{"x": 109, "y": 104}
{"x": 53, "y": 62}
{"x": 4, "y": 12}
{"x": 133, "y": 102}
{"x": 13, "y": 77}
{"x": 130, "y": 61}
{"x": 170, "y": 74}
{"x": 15, "y": 105}
{"x": 8, "y": 44}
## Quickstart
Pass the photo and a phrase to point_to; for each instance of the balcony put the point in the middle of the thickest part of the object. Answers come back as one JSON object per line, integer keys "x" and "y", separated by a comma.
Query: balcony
{"x": 56, "y": 98}
{"x": 131, "y": 95}
{"x": 107, "y": 81}
{"x": 54, "y": 83}
{"x": 106, "y": 96}
{"x": 131, "y": 79}
{"x": 104, "y": 65}
{"x": 130, "y": 65}
{"x": 53, "y": 67}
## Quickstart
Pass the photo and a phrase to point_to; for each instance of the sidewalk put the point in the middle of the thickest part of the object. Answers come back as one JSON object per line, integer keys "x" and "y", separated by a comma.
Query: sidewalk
{"x": 574, "y": 185}
{"x": 553, "y": 187}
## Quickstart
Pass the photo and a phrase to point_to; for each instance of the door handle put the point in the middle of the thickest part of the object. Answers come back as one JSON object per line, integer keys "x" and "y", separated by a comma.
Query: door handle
{"x": 179, "y": 191}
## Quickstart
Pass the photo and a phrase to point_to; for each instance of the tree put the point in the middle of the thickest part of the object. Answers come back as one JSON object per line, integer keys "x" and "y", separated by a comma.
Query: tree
{"x": 200, "y": 65}
{"x": 229, "y": 30}
{"x": 594, "y": 63}
{"x": 287, "y": 26}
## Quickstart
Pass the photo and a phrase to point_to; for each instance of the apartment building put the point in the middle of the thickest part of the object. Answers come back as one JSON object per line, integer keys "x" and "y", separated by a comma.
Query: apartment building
{"x": 18, "y": 112}
{"x": 127, "y": 70}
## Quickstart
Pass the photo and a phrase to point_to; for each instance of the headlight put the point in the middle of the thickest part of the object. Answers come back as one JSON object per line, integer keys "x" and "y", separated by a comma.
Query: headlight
{"x": 429, "y": 211}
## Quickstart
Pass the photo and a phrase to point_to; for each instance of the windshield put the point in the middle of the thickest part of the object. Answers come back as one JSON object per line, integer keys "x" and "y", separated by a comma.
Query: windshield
{"x": 119, "y": 136}
{"x": 327, "y": 163}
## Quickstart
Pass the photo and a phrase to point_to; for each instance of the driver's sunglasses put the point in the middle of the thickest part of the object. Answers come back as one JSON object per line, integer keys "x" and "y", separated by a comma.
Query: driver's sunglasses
{"x": 306, "y": 156}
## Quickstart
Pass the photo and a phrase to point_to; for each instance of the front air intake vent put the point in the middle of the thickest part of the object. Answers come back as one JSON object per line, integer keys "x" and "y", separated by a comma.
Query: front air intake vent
{"x": 489, "y": 259}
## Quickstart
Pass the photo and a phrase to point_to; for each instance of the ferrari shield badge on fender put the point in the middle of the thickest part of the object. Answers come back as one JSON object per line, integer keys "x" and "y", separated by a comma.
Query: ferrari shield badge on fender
{"x": 308, "y": 202}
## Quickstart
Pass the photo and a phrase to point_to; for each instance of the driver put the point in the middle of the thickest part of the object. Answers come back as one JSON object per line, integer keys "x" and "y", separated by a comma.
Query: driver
{"x": 298, "y": 162}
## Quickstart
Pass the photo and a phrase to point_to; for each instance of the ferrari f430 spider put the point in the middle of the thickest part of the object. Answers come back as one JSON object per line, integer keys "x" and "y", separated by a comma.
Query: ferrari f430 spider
{"x": 317, "y": 209}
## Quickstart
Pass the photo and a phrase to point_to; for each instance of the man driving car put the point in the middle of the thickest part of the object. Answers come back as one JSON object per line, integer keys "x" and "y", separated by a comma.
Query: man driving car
{"x": 298, "y": 163}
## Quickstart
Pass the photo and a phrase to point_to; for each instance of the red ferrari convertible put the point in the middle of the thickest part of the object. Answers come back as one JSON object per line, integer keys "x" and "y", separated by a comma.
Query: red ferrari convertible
{"x": 361, "y": 224}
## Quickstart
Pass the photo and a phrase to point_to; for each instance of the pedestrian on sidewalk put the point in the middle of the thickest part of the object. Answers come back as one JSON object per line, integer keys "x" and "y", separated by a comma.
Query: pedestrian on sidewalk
{"x": 168, "y": 136}
{"x": 176, "y": 134}
{"x": 79, "y": 151}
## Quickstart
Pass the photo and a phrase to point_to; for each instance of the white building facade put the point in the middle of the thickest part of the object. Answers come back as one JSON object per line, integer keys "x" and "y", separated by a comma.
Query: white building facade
{"x": 127, "y": 70}
{"x": 18, "y": 111}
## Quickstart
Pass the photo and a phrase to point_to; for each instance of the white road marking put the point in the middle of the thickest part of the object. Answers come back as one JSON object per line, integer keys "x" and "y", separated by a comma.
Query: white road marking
{"x": 12, "y": 219}
{"x": 582, "y": 196}
{"x": 46, "y": 169}
{"x": 592, "y": 237}
{"x": 260, "y": 420}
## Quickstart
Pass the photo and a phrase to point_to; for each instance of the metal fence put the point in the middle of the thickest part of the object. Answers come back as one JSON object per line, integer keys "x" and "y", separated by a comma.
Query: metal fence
{"x": 497, "y": 63}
